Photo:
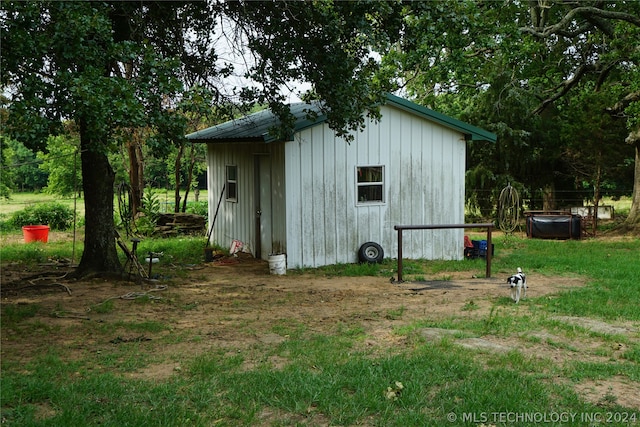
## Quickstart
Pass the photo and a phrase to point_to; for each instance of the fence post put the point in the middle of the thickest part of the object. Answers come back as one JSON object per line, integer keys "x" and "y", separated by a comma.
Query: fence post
{"x": 399, "y": 253}
{"x": 489, "y": 252}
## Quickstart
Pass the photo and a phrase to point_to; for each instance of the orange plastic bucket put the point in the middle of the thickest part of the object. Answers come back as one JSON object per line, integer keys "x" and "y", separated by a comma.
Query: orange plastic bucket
{"x": 35, "y": 233}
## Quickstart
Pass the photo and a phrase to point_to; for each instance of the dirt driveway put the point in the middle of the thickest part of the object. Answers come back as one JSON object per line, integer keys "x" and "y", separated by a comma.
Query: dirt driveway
{"x": 236, "y": 304}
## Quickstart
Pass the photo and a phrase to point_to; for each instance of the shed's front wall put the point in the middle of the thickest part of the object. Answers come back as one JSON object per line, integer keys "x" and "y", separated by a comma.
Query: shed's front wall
{"x": 260, "y": 169}
{"x": 424, "y": 166}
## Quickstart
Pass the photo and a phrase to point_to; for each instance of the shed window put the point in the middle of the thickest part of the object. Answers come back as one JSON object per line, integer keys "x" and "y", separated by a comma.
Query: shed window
{"x": 370, "y": 184}
{"x": 232, "y": 183}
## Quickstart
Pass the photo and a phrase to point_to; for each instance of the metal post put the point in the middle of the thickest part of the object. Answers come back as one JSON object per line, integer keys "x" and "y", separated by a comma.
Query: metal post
{"x": 399, "y": 254}
{"x": 150, "y": 263}
{"x": 488, "y": 274}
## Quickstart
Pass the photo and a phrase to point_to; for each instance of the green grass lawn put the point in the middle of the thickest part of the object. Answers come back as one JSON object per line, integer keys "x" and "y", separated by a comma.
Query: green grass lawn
{"x": 333, "y": 378}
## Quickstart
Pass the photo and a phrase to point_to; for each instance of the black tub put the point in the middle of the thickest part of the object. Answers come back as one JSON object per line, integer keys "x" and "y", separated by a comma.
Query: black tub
{"x": 554, "y": 226}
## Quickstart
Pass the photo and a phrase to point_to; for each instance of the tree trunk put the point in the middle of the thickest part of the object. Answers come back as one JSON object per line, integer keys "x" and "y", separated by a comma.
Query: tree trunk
{"x": 176, "y": 208}
{"x": 192, "y": 164}
{"x": 100, "y": 254}
{"x": 633, "y": 220}
{"x": 597, "y": 194}
{"x": 136, "y": 172}
{"x": 549, "y": 198}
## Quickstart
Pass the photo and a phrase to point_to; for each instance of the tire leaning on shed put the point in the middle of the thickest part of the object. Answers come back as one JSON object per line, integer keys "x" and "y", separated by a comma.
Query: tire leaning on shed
{"x": 371, "y": 253}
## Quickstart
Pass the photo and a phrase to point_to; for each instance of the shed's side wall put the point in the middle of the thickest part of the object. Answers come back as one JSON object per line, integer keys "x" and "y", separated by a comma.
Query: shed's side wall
{"x": 424, "y": 184}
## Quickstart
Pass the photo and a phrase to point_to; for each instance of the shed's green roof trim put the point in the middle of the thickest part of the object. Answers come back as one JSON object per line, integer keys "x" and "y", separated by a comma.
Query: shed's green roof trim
{"x": 256, "y": 127}
{"x": 476, "y": 133}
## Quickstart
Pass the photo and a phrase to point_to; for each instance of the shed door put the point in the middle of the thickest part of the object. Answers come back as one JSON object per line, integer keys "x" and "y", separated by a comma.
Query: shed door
{"x": 262, "y": 197}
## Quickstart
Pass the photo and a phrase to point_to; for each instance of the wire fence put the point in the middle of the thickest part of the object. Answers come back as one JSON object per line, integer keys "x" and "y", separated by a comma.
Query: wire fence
{"x": 560, "y": 199}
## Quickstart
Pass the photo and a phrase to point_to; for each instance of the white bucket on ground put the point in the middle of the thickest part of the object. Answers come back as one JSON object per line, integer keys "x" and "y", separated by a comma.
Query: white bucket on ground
{"x": 278, "y": 264}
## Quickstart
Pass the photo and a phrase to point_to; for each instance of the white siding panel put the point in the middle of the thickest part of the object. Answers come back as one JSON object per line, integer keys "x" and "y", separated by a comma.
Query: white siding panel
{"x": 329, "y": 209}
{"x": 317, "y": 193}
{"x": 216, "y": 175}
{"x": 344, "y": 212}
{"x": 370, "y": 217}
{"x": 408, "y": 188}
{"x": 278, "y": 200}
{"x": 387, "y": 140}
{"x": 419, "y": 241}
{"x": 430, "y": 160}
{"x": 426, "y": 182}
{"x": 391, "y": 129}
{"x": 440, "y": 189}
{"x": 294, "y": 211}
{"x": 305, "y": 176}
{"x": 307, "y": 187}
{"x": 349, "y": 238}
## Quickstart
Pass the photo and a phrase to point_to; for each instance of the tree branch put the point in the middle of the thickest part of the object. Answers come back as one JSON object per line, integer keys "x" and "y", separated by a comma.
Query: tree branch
{"x": 564, "y": 87}
{"x": 604, "y": 74}
{"x": 619, "y": 106}
{"x": 559, "y": 28}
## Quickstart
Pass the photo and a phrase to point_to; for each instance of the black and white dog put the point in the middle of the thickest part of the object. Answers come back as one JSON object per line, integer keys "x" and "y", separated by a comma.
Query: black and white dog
{"x": 518, "y": 284}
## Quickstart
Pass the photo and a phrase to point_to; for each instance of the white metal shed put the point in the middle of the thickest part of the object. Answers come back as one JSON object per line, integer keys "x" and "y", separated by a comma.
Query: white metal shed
{"x": 317, "y": 198}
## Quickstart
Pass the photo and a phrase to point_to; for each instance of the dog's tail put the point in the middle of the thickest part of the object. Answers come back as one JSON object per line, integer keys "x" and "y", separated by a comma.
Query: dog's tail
{"x": 519, "y": 270}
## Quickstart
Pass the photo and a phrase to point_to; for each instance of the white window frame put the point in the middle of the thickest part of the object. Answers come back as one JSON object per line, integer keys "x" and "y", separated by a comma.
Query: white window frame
{"x": 231, "y": 183}
{"x": 360, "y": 184}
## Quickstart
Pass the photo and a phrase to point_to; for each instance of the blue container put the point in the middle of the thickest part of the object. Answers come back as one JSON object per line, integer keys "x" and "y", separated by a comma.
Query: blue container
{"x": 480, "y": 248}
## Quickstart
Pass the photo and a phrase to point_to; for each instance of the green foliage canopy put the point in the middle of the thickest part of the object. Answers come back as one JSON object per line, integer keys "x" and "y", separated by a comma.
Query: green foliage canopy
{"x": 114, "y": 64}
{"x": 20, "y": 167}
{"x": 62, "y": 165}
{"x": 330, "y": 45}
{"x": 515, "y": 68}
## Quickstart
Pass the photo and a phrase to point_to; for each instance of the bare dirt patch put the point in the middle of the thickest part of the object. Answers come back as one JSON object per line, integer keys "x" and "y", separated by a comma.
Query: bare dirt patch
{"x": 237, "y": 305}
{"x": 609, "y": 392}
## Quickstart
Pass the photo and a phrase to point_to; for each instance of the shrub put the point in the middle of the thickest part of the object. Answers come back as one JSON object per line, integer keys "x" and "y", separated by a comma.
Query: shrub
{"x": 57, "y": 216}
{"x": 198, "y": 208}
{"x": 150, "y": 205}
{"x": 5, "y": 223}
{"x": 149, "y": 213}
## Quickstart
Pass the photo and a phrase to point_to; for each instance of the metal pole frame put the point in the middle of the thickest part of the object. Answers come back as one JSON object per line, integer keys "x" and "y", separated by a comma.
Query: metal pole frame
{"x": 401, "y": 228}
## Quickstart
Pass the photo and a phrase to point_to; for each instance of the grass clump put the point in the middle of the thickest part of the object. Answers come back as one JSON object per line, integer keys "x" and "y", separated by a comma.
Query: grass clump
{"x": 32, "y": 253}
{"x": 15, "y": 313}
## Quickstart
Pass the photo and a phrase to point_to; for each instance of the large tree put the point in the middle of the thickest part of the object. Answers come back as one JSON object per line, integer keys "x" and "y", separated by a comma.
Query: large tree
{"x": 527, "y": 57}
{"x": 114, "y": 66}
{"x": 601, "y": 41}
{"x": 108, "y": 66}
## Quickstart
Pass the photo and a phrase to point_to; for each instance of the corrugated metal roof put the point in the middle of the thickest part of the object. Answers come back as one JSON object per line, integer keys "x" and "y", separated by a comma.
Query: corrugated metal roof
{"x": 256, "y": 127}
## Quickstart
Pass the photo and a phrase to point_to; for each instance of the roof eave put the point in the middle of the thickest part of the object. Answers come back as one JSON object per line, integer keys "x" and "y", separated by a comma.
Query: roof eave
{"x": 225, "y": 140}
{"x": 486, "y": 136}
{"x": 476, "y": 133}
